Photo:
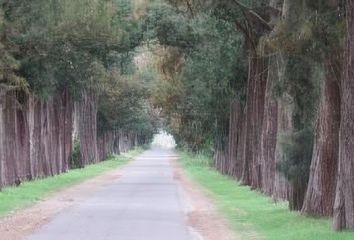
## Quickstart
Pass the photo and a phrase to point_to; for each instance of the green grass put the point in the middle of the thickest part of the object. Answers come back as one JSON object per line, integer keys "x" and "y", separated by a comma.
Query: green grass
{"x": 253, "y": 215}
{"x": 12, "y": 198}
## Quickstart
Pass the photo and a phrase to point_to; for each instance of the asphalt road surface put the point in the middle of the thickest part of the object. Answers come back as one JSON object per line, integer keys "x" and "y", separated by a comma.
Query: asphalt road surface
{"x": 145, "y": 203}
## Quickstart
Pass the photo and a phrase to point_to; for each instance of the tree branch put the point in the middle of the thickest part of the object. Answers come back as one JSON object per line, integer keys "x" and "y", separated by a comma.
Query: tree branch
{"x": 262, "y": 20}
{"x": 190, "y": 7}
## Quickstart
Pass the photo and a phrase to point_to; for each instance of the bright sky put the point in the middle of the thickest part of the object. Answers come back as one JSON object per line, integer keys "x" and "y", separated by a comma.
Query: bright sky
{"x": 164, "y": 140}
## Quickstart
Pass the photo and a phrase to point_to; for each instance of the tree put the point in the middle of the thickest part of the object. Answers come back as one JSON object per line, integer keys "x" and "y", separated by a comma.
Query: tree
{"x": 344, "y": 204}
{"x": 56, "y": 57}
{"x": 201, "y": 70}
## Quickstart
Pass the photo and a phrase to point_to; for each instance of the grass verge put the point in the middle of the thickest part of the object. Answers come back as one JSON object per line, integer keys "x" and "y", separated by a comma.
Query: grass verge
{"x": 253, "y": 215}
{"x": 12, "y": 198}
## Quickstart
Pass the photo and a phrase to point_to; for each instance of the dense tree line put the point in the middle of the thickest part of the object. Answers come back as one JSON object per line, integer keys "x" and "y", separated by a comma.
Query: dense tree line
{"x": 70, "y": 92}
{"x": 266, "y": 87}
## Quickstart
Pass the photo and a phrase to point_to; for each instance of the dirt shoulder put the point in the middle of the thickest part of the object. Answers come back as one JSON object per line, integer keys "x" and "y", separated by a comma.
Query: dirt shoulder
{"x": 202, "y": 215}
{"x": 23, "y": 222}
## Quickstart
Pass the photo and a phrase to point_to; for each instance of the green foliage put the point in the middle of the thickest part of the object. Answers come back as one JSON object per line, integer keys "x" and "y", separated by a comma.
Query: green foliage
{"x": 169, "y": 27}
{"x": 197, "y": 80}
{"x": 297, "y": 148}
{"x": 310, "y": 34}
{"x": 66, "y": 44}
{"x": 75, "y": 161}
{"x": 124, "y": 102}
{"x": 8, "y": 64}
{"x": 312, "y": 28}
{"x": 78, "y": 46}
{"x": 301, "y": 83}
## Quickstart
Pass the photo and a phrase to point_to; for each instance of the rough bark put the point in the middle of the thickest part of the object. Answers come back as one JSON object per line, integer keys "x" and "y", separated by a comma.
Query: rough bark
{"x": 126, "y": 141}
{"x": 235, "y": 134}
{"x": 320, "y": 194}
{"x": 241, "y": 148}
{"x": 252, "y": 173}
{"x": 344, "y": 201}
{"x": 2, "y": 135}
{"x": 269, "y": 131}
{"x": 296, "y": 194}
{"x": 108, "y": 144}
{"x": 285, "y": 109}
{"x": 221, "y": 158}
{"x": 35, "y": 136}
{"x": 86, "y": 110}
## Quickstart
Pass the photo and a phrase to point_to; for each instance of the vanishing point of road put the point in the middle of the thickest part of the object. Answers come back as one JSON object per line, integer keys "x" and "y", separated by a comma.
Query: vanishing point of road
{"x": 145, "y": 203}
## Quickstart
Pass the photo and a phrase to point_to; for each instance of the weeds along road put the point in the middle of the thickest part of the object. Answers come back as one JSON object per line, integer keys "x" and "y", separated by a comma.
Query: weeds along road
{"x": 145, "y": 203}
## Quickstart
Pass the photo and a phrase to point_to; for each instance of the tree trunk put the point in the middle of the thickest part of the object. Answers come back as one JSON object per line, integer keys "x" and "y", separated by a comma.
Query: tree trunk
{"x": 123, "y": 141}
{"x": 296, "y": 194}
{"x": 107, "y": 144}
{"x": 67, "y": 124}
{"x": 241, "y": 148}
{"x": 10, "y": 144}
{"x": 344, "y": 201}
{"x": 2, "y": 136}
{"x": 320, "y": 194}
{"x": 31, "y": 142}
{"x": 252, "y": 174}
{"x": 87, "y": 121}
{"x": 235, "y": 129}
{"x": 269, "y": 131}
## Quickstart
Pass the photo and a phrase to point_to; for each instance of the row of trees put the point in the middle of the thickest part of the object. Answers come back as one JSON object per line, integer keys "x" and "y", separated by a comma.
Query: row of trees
{"x": 70, "y": 91}
{"x": 267, "y": 87}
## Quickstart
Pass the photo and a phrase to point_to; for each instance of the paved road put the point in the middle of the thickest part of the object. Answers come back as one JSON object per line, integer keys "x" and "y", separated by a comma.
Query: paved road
{"x": 146, "y": 203}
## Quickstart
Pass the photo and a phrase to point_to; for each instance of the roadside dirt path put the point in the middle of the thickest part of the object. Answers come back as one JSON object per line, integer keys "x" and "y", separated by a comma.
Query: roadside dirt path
{"x": 21, "y": 223}
{"x": 202, "y": 214}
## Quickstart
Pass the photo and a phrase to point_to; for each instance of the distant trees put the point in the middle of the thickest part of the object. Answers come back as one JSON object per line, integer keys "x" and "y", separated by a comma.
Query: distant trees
{"x": 197, "y": 75}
